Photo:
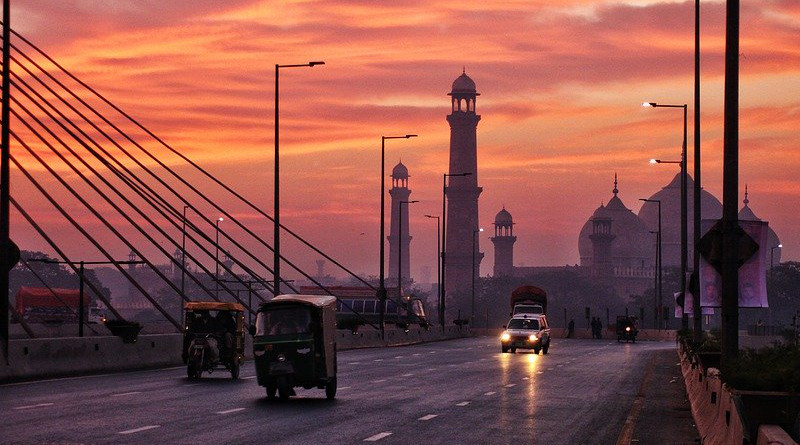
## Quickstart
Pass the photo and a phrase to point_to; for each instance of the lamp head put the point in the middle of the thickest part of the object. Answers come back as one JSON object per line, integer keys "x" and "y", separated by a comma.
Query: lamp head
{"x": 480, "y": 230}
{"x": 411, "y": 136}
{"x": 316, "y": 63}
{"x": 780, "y": 245}
{"x": 653, "y": 161}
{"x": 221, "y": 219}
{"x": 649, "y": 104}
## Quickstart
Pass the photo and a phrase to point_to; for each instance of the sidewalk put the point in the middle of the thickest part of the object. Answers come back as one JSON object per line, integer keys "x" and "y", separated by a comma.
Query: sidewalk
{"x": 665, "y": 416}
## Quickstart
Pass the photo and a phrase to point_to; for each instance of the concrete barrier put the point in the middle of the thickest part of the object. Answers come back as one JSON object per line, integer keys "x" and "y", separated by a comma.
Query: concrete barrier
{"x": 773, "y": 435}
{"x": 53, "y": 357}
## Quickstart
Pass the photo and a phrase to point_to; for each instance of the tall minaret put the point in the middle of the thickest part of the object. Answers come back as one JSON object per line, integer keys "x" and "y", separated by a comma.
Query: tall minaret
{"x": 399, "y": 192}
{"x": 462, "y": 196}
{"x": 503, "y": 241}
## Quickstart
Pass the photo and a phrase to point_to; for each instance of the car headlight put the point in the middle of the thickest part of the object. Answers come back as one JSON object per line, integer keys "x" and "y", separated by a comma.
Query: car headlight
{"x": 533, "y": 337}
{"x": 505, "y": 337}
{"x": 628, "y": 329}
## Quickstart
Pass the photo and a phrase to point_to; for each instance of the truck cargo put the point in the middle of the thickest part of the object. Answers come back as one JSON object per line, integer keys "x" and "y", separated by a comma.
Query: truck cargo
{"x": 41, "y": 305}
{"x": 528, "y": 299}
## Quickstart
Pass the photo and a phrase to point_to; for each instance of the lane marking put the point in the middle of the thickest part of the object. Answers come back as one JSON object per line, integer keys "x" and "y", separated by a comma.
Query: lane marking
{"x": 432, "y": 352}
{"x": 228, "y": 411}
{"x": 415, "y": 354}
{"x": 540, "y": 372}
{"x": 354, "y": 363}
{"x": 510, "y": 385}
{"x": 378, "y": 360}
{"x": 126, "y": 394}
{"x": 428, "y": 417}
{"x": 526, "y": 378}
{"x": 549, "y": 369}
{"x": 343, "y": 387}
{"x": 398, "y": 356}
{"x": 140, "y": 429}
{"x": 462, "y": 403}
{"x": 379, "y": 381}
{"x": 34, "y": 406}
{"x": 249, "y": 377}
{"x": 626, "y": 435}
{"x": 191, "y": 384}
{"x": 408, "y": 375}
{"x": 489, "y": 393}
{"x": 378, "y": 436}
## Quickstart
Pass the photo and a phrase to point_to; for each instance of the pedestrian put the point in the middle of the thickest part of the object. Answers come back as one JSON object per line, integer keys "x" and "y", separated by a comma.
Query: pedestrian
{"x": 599, "y": 328}
{"x": 571, "y": 328}
{"x": 593, "y": 324}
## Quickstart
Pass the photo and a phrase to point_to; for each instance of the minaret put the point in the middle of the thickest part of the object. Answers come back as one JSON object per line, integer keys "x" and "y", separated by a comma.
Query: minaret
{"x": 399, "y": 192}
{"x": 503, "y": 241}
{"x": 462, "y": 195}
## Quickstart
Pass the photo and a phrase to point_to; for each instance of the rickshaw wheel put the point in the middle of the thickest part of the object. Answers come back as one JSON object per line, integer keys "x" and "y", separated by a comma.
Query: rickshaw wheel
{"x": 271, "y": 389}
{"x": 193, "y": 373}
{"x": 283, "y": 388}
{"x": 513, "y": 350}
{"x": 235, "y": 370}
{"x": 536, "y": 351}
{"x": 330, "y": 389}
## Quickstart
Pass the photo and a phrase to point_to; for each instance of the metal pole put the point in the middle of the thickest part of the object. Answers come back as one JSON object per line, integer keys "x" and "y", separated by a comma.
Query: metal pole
{"x": 660, "y": 272}
{"x": 730, "y": 189}
{"x": 472, "y": 310}
{"x": 698, "y": 322}
{"x": 277, "y": 215}
{"x": 684, "y": 223}
{"x": 438, "y": 269}
{"x": 400, "y": 249}
{"x": 81, "y": 309}
{"x": 5, "y": 240}
{"x": 382, "y": 283}
{"x": 442, "y": 294}
{"x": 183, "y": 253}
{"x": 655, "y": 286}
{"x": 216, "y": 261}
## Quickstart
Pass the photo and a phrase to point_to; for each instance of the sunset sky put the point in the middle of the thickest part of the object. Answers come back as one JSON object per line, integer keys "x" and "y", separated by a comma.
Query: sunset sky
{"x": 561, "y": 87}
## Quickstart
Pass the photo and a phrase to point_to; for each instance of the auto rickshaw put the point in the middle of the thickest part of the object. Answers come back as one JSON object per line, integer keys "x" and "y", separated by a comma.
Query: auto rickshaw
{"x": 626, "y": 328}
{"x": 294, "y": 344}
{"x": 213, "y": 337}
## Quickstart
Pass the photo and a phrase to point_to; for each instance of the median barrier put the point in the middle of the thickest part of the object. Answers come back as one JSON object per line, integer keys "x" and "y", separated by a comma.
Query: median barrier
{"x": 346, "y": 339}
{"x": 773, "y": 435}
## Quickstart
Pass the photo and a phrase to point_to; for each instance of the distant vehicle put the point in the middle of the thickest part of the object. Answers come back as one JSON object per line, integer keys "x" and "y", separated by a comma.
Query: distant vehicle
{"x": 213, "y": 337}
{"x": 626, "y": 328}
{"x": 54, "y": 305}
{"x": 357, "y": 306}
{"x": 528, "y": 300}
{"x": 294, "y": 344}
{"x": 96, "y": 315}
{"x": 526, "y": 332}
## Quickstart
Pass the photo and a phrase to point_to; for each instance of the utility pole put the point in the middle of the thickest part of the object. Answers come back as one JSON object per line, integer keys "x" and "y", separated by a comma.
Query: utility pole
{"x": 9, "y": 254}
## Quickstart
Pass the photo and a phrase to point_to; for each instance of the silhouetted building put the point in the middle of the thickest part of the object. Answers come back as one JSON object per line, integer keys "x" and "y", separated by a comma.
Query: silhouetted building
{"x": 399, "y": 192}
{"x": 503, "y": 241}
{"x": 462, "y": 194}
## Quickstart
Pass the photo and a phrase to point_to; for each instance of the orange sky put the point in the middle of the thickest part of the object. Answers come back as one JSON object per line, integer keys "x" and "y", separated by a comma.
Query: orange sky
{"x": 561, "y": 85}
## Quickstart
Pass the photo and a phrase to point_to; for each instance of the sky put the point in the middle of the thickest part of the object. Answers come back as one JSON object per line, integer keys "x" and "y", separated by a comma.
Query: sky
{"x": 561, "y": 86}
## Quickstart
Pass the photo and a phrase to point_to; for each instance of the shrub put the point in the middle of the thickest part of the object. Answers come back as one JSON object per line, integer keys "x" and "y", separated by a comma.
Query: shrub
{"x": 775, "y": 368}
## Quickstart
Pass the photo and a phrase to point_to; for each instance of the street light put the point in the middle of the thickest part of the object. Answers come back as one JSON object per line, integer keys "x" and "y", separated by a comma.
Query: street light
{"x": 216, "y": 257}
{"x": 382, "y": 281}
{"x": 684, "y": 212}
{"x": 277, "y": 216}
{"x": 657, "y": 289}
{"x": 472, "y": 314}
{"x": 442, "y": 295}
{"x": 438, "y": 264}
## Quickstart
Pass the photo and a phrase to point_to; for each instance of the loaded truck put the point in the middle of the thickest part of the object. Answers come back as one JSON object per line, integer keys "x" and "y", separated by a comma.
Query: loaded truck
{"x": 528, "y": 299}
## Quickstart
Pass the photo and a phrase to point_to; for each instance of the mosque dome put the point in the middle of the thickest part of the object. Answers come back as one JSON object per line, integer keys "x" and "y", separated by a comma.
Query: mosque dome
{"x": 400, "y": 171}
{"x": 503, "y": 218}
{"x": 633, "y": 243}
{"x": 670, "y": 197}
{"x": 463, "y": 84}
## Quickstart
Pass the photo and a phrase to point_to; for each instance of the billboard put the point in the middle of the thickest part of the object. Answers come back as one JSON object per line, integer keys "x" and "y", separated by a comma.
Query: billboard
{"x": 752, "y": 274}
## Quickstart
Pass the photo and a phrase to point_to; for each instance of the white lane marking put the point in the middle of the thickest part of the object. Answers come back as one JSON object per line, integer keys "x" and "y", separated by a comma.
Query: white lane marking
{"x": 228, "y": 411}
{"x": 378, "y": 360}
{"x": 126, "y": 394}
{"x": 408, "y": 375}
{"x": 430, "y": 369}
{"x": 140, "y": 429}
{"x": 249, "y": 377}
{"x": 549, "y": 369}
{"x": 415, "y": 355}
{"x": 428, "y": 417}
{"x": 379, "y": 381}
{"x": 343, "y": 387}
{"x": 34, "y": 406}
{"x": 354, "y": 363}
{"x": 540, "y": 372}
{"x": 398, "y": 356}
{"x": 432, "y": 352}
{"x": 510, "y": 385}
{"x": 191, "y": 384}
{"x": 378, "y": 436}
{"x": 526, "y": 378}
{"x": 558, "y": 366}
{"x": 489, "y": 393}
{"x": 452, "y": 364}
{"x": 462, "y": 403}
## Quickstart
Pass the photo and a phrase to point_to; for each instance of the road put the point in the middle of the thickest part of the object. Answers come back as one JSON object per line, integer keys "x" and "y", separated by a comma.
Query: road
{"x": 458, "y": 391}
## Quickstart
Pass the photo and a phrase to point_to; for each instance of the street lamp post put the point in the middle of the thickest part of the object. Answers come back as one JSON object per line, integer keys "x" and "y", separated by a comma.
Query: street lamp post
{"x": 472, "y": 312}
{"x": 216, "y": 258}
{"x": 442, "y": 294}
{"x": 659, "y": 314}
{"x": 438, "y": 265}
{"x": 684, "y": 213}
{"x": 277, "y": 216}
{"x": 382, "y": 280}
{"x": 183, "y": 252}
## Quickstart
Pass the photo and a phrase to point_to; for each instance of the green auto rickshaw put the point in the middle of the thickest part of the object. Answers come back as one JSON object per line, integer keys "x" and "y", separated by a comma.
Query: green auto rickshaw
{"x": 294, "y": 344}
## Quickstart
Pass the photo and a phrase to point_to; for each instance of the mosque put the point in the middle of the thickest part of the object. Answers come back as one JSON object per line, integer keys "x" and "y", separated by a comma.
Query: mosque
{"x": 617, "y": 246}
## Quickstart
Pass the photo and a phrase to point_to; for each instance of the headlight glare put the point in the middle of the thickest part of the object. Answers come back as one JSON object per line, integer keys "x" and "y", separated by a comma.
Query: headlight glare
{"x": 533, "y": 337}
{"x": 505, "y": 337}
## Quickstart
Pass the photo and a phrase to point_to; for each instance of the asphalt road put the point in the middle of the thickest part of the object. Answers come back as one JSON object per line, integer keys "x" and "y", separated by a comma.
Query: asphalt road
{"x": 458, "y": 391}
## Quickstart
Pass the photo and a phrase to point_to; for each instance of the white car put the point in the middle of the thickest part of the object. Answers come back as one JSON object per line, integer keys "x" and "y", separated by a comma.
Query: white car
{"x": 526, "y": 332}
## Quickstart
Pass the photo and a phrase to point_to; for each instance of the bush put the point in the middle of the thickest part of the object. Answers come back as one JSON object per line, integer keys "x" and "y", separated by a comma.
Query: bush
{"x": 769, "y": 369}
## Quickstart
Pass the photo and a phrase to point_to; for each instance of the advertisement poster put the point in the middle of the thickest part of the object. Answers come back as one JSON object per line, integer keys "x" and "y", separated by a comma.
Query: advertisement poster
{"x": 752, "y": 274}
{"x": 687, "y": 303}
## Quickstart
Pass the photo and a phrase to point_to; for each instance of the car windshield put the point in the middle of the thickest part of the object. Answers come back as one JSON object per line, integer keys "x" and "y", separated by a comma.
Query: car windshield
{"x": 283, "y": 320}
{"x": 523, "y": 323}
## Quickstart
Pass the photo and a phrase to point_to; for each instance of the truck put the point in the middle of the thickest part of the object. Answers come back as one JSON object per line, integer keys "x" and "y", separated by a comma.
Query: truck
{"x": 49, "y": 305}
{"x": 528, "y": 299}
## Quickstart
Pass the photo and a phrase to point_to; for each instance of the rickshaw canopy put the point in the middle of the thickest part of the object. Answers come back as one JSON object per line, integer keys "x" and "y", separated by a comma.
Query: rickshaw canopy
{"x": 213, "y": 306}
{"x": 320, "y": 301}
